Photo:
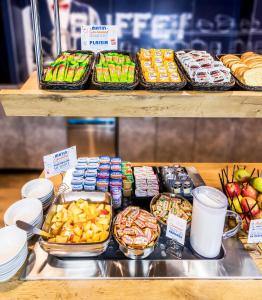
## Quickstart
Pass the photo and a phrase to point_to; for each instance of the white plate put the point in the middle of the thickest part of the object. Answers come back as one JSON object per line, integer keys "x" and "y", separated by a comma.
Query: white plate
{"x": 37, "y": 188}
{"x": 12, "y": 240}
{"x": 27, "y": 210}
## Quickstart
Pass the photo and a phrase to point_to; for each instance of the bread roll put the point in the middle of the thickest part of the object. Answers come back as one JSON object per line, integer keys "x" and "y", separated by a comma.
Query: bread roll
{"x": 237, "y": 65}
{"x": 228, "y": 56}
{"x": 254, "y": 63}
{"x": 253, "y": 77}
{"x": 246, "y": 54}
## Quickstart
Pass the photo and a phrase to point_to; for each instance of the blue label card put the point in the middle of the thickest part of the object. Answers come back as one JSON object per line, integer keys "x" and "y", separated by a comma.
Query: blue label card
{"x": 99, "y": 37}
{"x": 60, "y": 161}
{"x": 255, "y": 231}
{"x": 176, "y": 228}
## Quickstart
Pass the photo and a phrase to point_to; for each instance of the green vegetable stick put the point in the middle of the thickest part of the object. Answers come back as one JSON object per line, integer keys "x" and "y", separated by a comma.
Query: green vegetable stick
{"x": 49, "y": 74}
{"x": 70, "y": 74}
{"x": 61, "y": 73}
{"x": 55, "y": 71}
{"x": 99, "y": 73}
{"x": 79, "y": 73}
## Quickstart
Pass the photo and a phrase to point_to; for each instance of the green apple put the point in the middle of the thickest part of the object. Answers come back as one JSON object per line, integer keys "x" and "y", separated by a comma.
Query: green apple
{"x": 236, "y": 204}
{"x": 242, "y": 175}
{"x": 257, "y": 183}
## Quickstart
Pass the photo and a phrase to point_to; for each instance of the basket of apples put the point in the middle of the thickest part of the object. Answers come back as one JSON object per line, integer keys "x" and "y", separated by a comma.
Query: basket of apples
{"x": 244, "y": 192}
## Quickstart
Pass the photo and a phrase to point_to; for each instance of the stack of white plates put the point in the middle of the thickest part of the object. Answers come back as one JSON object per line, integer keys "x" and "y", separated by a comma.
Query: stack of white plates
{"x": 41, "y": 188}
{"x": 28, "y": 210}
{"x": 13, "y": 251}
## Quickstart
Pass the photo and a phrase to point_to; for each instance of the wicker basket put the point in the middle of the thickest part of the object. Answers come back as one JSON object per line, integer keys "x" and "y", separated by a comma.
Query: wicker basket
{"x": 78, "y": 85}
{"x": 239, "y": 83}
{"x": 213, "y": 87}
{"x": 114, "y": 85}
{"x": 160, "y": 85}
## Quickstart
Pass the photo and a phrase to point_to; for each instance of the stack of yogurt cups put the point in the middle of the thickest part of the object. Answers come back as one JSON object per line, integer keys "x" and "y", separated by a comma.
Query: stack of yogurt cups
{"x": 99, "y": 173}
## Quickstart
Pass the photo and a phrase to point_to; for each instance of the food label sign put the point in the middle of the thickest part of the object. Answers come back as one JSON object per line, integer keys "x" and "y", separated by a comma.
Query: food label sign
{"x": 176, "y": 228}
{"x": 60, "y": 162}
{"x": 255, "y": 231}
{"x": 98, "y": 37}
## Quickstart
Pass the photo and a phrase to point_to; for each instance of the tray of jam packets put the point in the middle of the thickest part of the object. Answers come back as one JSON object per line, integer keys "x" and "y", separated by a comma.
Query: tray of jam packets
{"x": 102, "y": 173}
{"x": 115, "y": 71}
{"x": 203, "y": 72}
{"x": 145, "y": 186}
{"x": 70, "y": 71}
{"x": 158, "y": 70}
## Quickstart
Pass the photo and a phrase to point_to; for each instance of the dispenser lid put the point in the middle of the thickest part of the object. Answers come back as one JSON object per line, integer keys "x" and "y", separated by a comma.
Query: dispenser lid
{"x": 210, "y": 197}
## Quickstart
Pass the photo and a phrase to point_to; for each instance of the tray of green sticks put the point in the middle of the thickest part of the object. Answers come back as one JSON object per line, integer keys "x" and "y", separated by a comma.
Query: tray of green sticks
{"x": 115, "y": 70}
{"x": 70, "y": 71}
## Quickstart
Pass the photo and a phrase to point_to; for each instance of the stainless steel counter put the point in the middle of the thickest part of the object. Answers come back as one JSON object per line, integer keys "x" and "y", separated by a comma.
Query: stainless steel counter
{"x": 233, "y": 263}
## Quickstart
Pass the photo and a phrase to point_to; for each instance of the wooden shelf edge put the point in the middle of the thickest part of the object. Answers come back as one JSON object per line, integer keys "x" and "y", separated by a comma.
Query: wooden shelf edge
{"x": 32, "y": 101}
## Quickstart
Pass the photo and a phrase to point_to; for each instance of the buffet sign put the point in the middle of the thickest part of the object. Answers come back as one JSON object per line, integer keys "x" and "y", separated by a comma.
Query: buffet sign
{"x": 99, "y": 37}
{"x": 176, "y": 228}
{"x": 255, "y": 231}
{"x": 59, "y": 162}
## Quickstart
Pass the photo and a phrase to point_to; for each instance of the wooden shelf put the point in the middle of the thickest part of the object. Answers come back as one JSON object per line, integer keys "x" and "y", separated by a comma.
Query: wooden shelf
{"x": 32, "y": 101}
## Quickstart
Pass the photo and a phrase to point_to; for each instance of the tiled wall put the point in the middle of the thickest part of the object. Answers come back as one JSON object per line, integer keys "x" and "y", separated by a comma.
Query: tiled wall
{"x": 24, "y": 141}
{"x": 184, "y": 139}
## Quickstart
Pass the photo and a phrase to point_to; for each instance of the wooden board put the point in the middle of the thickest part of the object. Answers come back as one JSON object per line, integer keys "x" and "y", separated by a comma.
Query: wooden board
{"x": 32, "y": 101}
{"x": 140, "y": 289}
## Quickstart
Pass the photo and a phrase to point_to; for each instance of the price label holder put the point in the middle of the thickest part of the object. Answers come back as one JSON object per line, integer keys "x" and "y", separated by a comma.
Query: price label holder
{"x": 255, "y": 232}
{"x": 99, "y": 37}
{"x": 59, "y": 162}
{"x": 176, "y": 231}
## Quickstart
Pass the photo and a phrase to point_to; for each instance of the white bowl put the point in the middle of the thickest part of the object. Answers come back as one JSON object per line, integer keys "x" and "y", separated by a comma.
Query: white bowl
{"x": 28, "y": 210}
{"x": 6, "y": 275}
{"x": 40, "y": 188}
{"x": 13, "y": 241}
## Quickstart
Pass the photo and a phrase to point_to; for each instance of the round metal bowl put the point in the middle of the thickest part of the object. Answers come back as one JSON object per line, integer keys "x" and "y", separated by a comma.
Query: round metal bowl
{"x": 155, "y": 198}
{"x": 135, "y": 253}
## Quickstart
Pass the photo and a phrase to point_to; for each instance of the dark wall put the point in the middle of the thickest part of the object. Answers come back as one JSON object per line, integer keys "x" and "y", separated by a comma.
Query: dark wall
{"x": 216, "y": 26}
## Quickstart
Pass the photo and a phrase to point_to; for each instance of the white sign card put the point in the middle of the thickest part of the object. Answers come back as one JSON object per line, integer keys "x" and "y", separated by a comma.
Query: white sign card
{"x": 60, "y": 161}
{"x": 255, "y": 231}
{"x": 99, "y": 37}
{"x": 176, "y": 228}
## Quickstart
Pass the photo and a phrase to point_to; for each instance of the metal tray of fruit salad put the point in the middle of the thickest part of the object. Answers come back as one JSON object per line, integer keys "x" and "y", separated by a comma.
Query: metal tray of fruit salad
{"x": 80, "y": 225}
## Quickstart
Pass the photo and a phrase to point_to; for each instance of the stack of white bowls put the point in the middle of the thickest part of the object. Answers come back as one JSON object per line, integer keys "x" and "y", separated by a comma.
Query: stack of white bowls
{"x": 13, "y": 251}
{"x": 41, "y": 188}
{"x": 28, "y": 210}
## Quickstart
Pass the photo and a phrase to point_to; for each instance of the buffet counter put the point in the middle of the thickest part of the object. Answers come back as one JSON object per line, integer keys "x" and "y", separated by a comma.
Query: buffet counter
{"x": 130, "y": 289}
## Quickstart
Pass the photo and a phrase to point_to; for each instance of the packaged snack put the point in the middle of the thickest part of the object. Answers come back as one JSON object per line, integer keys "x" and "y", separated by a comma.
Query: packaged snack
{"x": 78, "y": 173}
{"x": 116, "y": 168}
{"x": 158, "y": 65}
{"x": 103, "y": 174}
{"x": 105, "y": 167}
{"x": 116, "y": 175}
{"x": 104, "y": 159}
{"x": 202, "y": 68}
{"x": 115, "y": 161}
{"x": 102, "y": 184}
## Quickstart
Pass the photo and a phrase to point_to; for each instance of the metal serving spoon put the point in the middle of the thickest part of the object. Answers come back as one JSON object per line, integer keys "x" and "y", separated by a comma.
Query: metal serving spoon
{"x": 31, "y": 229}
